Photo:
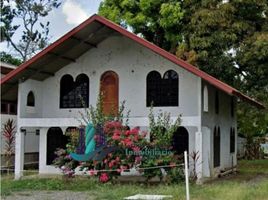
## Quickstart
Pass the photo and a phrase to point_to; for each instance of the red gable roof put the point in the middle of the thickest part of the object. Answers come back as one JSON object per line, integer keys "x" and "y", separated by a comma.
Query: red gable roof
{"x": 95, "y": 18}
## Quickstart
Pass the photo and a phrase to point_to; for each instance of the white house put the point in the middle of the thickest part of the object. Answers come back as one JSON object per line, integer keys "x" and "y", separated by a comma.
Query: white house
{"x": 9, "y": 111}
{"x": 99, "y": 55}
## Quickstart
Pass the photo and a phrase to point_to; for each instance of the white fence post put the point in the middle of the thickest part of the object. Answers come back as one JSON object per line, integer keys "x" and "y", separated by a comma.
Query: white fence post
{"x": 186, "y": 175}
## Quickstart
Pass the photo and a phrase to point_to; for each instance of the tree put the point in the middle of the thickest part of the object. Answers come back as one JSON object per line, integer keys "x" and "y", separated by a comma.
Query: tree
{"x": 7, "y": 58}
{"x": 158, "y": 21}
{"x": 26, "y": 15}
{"x": 227, "y": 39}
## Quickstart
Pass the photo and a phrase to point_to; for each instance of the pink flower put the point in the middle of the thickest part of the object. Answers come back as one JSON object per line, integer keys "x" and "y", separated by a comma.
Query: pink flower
{"x": 136, "y": 149}
{"x": 119, "y": 170}
{"x": 116, "y": 137}
{"x": 127, "y": 133}
{"x": 111, "y": 164}
{"x": 92, "y": 172}
{"x": 104, "y": 177}
{"x": 117, "y": 159}
{"x": 137, "y": 159}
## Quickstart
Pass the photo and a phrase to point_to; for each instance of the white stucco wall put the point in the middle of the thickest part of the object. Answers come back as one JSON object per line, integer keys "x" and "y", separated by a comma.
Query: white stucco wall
{"x": 225, "y": 121}
{"x": 131, "y": 62}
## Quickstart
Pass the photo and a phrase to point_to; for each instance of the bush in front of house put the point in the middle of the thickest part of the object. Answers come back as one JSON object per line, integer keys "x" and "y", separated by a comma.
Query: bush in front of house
{"x": 134, "y": 149}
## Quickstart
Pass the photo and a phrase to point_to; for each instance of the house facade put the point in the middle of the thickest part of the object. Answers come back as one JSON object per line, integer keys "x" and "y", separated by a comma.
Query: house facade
{"x": 100, "y": 57}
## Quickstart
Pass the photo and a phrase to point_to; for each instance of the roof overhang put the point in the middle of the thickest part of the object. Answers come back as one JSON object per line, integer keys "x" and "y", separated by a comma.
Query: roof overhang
{"x": 85, "y": 37}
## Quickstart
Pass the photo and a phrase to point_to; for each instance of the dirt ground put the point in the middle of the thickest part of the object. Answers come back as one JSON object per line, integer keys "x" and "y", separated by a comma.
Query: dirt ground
{"x": 49, "y": 195}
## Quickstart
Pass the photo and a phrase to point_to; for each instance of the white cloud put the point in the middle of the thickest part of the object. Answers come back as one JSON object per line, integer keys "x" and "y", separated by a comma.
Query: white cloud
{"x": 73, "y": 12}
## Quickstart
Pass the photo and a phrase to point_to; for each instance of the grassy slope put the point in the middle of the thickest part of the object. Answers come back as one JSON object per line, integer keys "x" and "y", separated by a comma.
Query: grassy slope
{"x": 250, "y": 183}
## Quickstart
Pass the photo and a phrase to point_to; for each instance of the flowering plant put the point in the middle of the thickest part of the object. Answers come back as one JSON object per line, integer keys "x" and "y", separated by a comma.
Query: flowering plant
{"x": 65, "y": 163}
{"x": 115, "y": 162}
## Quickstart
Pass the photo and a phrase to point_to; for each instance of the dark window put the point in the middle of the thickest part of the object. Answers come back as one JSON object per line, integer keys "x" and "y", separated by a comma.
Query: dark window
{"x": 217, "y": 102}
{"x": 170, "y": 84}
{"x": 162, "y": 92}
{"x": 81, "y": 91}
{"x": 153, "y": 88}
{"x": 30, "y": 99}
{"x": 180, "y": 140}
{"x": 217, "y": 146}
{"x": 74, "y": 94}
{"x": 232, "y": 140}
{"x": 4, "y": 108}
{"x": 232, "y": 106}
{"x": 12, "y": 108}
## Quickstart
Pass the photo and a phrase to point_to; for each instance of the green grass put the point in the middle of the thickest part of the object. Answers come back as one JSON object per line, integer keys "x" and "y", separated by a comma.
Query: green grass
{"x": 251, "y": 182}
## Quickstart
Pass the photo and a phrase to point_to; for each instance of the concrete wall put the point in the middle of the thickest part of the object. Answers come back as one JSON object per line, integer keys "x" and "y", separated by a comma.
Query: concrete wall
{"x": 225, "y": 121}
{"x": 131, "y": 62}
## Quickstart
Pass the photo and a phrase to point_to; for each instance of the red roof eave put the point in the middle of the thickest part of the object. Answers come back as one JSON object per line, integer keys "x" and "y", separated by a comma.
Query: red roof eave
{"x": 210, "y": 79}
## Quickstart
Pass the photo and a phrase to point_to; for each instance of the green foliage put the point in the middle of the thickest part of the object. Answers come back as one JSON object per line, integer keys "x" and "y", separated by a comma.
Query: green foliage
{"x": 157, "y": 21}
{"x": 73, "y": 140}
{"x": 162, "y": 128}
{"x": 29, "y": 14}
{"x": 96, "y": 116}
{"x": 7, "y": 58}
{"x": 227, "y": 39}
{"x": 161, "y": 133}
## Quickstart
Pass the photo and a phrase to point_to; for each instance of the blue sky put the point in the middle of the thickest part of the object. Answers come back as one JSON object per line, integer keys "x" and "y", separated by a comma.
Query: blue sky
{"x": 70, "y": 14}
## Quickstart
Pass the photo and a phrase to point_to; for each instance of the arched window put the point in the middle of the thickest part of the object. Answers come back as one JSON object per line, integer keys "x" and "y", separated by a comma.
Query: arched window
{"x": 180, "y": 140}
{"x": 162, "y": 92}
{"x": 81, "y": 91}
{"x": 205, "y": 99}
{"x": 153, "y": 82}
{"x": 170, "y": 89}
{"x": 74, "y": 94}
{"x": 30, "y": 99}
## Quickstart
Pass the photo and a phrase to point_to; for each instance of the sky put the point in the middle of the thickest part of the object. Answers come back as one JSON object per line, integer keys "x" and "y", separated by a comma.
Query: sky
{"x": 70, "y": 14}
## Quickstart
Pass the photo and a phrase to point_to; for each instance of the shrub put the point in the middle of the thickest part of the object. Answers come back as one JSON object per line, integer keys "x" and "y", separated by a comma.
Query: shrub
{"x": 9, "y": 138}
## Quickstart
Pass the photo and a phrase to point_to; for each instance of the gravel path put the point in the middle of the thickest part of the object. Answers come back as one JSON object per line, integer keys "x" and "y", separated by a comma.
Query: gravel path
{"x": 49, "y": 195}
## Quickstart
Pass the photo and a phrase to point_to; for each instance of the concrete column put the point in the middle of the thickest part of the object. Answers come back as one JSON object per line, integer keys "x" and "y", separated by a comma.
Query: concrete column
{"x": 199, "y": 136}
{"x": 199, "y": 149}
{"x": 19, "y": 153}
{"x": 42, "y": 150}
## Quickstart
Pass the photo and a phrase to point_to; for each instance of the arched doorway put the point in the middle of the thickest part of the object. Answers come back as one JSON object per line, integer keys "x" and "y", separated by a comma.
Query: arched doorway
{"x": 180, "y": 140}
{"x": 217, "y": 146}
{"x": 55, "y": 139}
{"x": 109, "y": 90}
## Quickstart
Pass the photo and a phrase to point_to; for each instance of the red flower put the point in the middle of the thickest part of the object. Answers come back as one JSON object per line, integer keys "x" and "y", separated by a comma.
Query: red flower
{"x": 104, "y": 177}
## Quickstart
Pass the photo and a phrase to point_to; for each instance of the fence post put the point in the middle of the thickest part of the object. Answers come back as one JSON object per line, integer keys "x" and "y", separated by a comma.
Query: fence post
{"x": 186, "y": 175}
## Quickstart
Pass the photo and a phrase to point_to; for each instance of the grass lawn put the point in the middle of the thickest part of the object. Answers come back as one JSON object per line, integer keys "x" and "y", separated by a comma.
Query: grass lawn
{"x": 251, "y": 182}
